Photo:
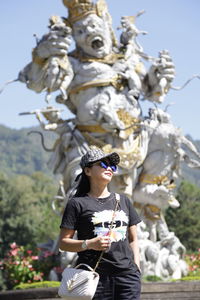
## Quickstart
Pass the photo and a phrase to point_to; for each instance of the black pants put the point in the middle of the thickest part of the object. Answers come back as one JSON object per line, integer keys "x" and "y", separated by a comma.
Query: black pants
{"x": 119, "y": 287}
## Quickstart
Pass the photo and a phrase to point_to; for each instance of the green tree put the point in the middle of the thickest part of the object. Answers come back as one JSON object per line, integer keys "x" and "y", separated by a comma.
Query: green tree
{"x": 26, "y": 216}
{"x": 185, "y": 221}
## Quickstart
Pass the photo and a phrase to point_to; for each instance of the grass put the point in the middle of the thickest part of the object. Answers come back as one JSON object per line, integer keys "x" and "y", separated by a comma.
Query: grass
{"x": 35, "y": 285}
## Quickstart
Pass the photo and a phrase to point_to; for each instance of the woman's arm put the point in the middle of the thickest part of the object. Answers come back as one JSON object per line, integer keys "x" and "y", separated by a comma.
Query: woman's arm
{"x": 133, "y": 240}
{"x": 67, "y": 243}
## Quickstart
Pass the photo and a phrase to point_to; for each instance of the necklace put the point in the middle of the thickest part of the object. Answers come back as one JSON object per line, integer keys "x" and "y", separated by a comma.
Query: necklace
{"x": 102, "y": 200}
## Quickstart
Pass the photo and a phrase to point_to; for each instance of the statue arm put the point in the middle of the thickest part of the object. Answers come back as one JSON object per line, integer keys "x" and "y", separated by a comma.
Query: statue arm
{"x": 190, "y": 146}
{"x": 192, "y": 163}
{"x": 157, "y": 81}
{"x": 49, "y": 126}
{"x": 50, "y": 68}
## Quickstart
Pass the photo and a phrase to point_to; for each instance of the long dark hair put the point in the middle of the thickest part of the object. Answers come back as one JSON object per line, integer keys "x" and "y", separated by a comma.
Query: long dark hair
{"x": 83, "y": 186}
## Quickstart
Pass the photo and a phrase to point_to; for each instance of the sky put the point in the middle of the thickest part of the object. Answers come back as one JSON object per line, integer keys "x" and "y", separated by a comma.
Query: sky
{"x": 171, "y": 25}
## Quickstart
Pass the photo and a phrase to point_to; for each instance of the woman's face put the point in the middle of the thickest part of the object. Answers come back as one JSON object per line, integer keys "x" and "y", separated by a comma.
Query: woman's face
{"x": 100, "y": 172}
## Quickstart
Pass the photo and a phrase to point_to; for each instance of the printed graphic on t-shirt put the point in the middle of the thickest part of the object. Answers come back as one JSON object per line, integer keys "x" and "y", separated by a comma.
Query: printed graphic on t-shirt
{"x": 102, "y": 221}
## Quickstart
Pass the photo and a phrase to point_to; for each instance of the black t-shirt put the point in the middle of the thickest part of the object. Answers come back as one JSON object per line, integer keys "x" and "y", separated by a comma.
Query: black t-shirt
{"x": 91, "y": 217}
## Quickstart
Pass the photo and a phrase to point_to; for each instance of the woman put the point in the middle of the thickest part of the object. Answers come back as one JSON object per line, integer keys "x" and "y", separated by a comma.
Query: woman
{"x": 90, "y": 213}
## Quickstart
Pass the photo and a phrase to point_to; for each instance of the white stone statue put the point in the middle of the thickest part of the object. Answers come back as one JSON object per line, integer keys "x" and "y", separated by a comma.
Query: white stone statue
{"x": 102, "y": 82}
{"x": 164, "y": 258}
{"x": 153, "y": 192}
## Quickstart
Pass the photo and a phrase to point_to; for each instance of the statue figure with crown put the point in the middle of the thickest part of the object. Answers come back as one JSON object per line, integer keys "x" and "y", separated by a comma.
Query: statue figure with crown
{"x": 102, "y": 82}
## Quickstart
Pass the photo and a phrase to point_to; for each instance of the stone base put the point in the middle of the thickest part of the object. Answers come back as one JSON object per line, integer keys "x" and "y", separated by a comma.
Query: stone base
{"x": 184, "y": 290}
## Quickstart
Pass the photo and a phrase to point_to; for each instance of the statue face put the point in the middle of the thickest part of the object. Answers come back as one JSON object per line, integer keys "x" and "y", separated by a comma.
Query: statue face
{"x": 92, "y": 35}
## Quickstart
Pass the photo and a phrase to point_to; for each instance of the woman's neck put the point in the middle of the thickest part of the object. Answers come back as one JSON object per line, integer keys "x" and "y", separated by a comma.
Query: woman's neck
{"x": 99, "y": 191}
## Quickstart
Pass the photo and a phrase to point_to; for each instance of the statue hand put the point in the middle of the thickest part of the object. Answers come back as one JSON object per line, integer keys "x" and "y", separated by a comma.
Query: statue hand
{"x": 164, "y": 67}
{"x": 56, "y": 42}
{"x": 159, "y": 77}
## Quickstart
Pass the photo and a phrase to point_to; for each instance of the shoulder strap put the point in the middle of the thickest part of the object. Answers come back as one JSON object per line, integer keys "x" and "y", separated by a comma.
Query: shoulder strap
{"x": 117, "y": 197}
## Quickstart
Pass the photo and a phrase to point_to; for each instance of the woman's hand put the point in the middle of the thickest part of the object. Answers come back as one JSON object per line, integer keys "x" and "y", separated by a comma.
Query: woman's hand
{"x": 100, "y": 243}
{"x": 67, "y": 243}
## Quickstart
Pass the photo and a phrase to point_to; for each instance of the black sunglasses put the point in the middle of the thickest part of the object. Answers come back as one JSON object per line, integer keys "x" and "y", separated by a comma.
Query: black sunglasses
{"x": 104, "y": 164}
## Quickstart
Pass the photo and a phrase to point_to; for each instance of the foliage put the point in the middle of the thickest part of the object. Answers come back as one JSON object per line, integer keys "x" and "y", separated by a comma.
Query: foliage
{"x": 2, "y": 279}
{"x": 193, "y": 261}
{"x": 152, "y": 278}
{"x": 190, "y": 278}
{"x": 21, "y": 265}
{"x": 42, "y": 284}
{"x": 26, "y": 216}
{"x": 185, "y": 221}
{"x": 49, "y": 261}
